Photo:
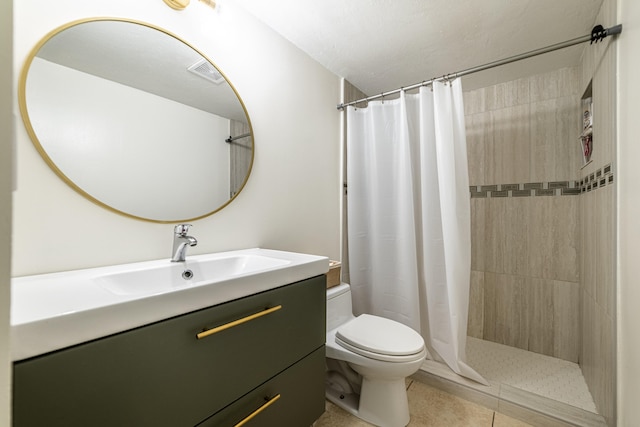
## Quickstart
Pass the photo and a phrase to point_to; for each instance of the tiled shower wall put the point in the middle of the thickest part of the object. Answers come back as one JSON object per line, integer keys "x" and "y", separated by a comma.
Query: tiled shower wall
{"x": 524, "y": 161}
{"x": 597, "y": 213}
{"x": 543, "y": 257}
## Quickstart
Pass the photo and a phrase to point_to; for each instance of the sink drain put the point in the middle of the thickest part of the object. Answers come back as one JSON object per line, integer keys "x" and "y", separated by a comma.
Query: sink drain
{"x": 187, "y": 274}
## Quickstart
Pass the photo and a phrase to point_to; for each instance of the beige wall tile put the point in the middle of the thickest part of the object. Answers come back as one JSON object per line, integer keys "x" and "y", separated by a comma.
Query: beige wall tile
{"x": 515, "y": 232}
{"x": 474, "y": 101}
{"x": 599, "y": 214}
{"x": 588, "y": 240}
{"x": 475, "y": 321}
{"x": 507, "y": 94}
{"x": 597, "y": 231}
{"x": 490, "y": 307}
{"x": 569, "y": 126}
{"x": 569, "y": 82}
{"x": 566, "y": 320}
{"x": 517, "y": 92}
{"x": 608, "y": 368}
{"x": 598, "y": 356}
{"x": 564, "y": 229}
{"x": 539, "y": 311}
{"x": 507, "y": 244}
{"x": 508, "y": 310}
{"x": 479, "y": 247}
{"x": 511, "y": 142}
{"x": 588, "y": 346}
{"x": 494, "y": 97}
{"x": 541, "y": 238}
{"x": 545, "y": 86}
{"x": 606, "y": 250}
{"x": 495, "y": 240}
{"x": 479, "y": 130}
{"x": 604, "y": 110}
{"x": 555, "y": 150}
{"x": 544, "y": 140}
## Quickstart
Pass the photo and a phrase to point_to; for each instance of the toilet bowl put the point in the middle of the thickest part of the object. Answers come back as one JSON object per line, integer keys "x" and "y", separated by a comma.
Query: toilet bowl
{"x": 368, "y": 359}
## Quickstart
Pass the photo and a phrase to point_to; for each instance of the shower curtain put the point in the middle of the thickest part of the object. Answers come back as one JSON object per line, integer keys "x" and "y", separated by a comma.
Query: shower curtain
{"x": 409, "y": 216}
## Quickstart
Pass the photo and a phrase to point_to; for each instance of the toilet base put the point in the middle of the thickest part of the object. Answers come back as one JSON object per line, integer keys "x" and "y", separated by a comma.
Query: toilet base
{"x": 382, "y": 402}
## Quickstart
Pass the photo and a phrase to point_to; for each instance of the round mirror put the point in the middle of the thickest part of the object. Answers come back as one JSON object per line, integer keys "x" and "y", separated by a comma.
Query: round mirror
{"x": 136, "y": 120}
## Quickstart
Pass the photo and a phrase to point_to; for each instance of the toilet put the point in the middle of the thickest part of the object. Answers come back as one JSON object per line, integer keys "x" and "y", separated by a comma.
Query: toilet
{"x": 368, "y": 359}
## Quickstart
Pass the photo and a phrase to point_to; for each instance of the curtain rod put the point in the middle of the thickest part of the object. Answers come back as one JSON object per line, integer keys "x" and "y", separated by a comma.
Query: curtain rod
{"x": 233, "y": 138}
{"x": 597, "y": 33}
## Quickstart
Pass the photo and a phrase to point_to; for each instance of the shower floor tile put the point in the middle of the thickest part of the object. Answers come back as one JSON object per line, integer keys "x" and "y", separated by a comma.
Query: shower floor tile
{"x": 555, "y": 379}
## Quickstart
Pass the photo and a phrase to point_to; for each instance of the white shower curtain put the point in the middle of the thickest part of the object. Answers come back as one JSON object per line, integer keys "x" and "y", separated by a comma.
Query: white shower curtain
{"x": 409, "y": 216}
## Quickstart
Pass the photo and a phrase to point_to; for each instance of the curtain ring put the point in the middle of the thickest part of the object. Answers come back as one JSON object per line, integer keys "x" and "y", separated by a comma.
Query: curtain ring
{"x": 433, "y": 80}
{"x": 382, "y": 96}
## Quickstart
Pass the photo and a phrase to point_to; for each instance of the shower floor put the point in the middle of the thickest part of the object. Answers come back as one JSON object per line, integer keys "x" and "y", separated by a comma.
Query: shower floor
{"x": 543, "y": 388}
{"x": 546, "y": 376}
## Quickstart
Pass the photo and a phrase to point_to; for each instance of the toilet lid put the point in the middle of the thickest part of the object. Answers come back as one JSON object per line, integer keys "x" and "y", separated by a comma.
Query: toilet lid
{"x": 381, "y": 336}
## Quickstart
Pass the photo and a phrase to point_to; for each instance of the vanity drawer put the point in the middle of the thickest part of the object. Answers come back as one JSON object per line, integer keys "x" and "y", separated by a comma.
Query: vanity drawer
{"x": 162, "y": 375}
{"x": 294, "y": 398}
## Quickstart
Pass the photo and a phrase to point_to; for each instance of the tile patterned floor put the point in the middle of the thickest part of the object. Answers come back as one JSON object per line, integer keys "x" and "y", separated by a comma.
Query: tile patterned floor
{"x": 429, "y": 407}
{"x": 546, "y": 376}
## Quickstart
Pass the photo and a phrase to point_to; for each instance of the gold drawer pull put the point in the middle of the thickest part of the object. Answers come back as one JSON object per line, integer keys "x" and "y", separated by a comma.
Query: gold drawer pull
{"x": 220, "y": 328}
{"x": 257, "y": 411}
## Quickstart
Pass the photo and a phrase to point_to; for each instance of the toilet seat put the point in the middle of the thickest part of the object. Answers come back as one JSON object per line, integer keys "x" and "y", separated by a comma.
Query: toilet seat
{"x": 380, "y": 339}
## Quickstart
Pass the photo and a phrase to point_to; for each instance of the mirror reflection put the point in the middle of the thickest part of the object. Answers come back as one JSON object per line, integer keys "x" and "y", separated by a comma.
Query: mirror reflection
{"x": 136, "y": 120}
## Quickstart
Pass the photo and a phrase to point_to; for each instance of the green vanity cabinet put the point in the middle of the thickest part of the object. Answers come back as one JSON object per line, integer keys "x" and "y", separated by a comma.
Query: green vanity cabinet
{"x": 265, "y": 357}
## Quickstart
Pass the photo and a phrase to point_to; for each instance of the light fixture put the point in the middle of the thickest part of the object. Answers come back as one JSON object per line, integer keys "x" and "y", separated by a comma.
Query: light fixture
{"x": 210, "y": 3}
{"x": 177, "y": 4}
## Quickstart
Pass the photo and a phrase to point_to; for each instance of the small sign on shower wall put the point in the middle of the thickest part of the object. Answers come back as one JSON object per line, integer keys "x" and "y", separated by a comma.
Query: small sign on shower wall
{"x": 586, "y": 137}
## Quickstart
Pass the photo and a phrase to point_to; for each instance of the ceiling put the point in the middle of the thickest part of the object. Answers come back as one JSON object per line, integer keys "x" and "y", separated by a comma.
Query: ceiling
{"x": 381, "y": 45}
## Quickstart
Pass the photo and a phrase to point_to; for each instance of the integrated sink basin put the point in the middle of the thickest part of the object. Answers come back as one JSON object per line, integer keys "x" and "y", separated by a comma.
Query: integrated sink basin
{"x": 53, "y": 311}
{"x": 173, "y": 276}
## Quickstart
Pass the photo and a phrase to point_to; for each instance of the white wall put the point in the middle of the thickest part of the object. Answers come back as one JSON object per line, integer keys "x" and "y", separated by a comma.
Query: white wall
{"x": 143, "y": 144}
{"x": 6, "y": 156}
{"x": 291, "y": 200}
{"x": 628, "y": 210}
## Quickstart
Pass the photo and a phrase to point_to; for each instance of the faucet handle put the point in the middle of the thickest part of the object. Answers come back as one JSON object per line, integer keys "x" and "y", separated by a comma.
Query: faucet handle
{"x": 182, "y": 229}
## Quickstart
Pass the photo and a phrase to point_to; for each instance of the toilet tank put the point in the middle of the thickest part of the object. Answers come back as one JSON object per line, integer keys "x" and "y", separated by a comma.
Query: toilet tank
{"x": 339, "y": 308}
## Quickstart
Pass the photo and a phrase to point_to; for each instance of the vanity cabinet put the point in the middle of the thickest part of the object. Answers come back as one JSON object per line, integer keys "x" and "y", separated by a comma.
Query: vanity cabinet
{"x": 261, "y": 355}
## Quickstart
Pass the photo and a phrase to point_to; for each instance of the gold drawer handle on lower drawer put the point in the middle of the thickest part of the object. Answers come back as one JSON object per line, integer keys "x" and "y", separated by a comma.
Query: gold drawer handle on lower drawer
{"x": 220, "y": 328}
{"x": 257, "y": 411}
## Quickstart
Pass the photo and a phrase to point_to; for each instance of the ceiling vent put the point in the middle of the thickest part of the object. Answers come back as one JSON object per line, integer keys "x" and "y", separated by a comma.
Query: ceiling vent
{"x": 206, "y": 70}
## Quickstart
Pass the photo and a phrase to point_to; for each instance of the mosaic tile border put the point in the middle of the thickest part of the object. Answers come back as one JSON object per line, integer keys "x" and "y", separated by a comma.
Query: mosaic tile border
{"x": 593, "y": 181}
{"x": 598, "y": 179}
{"x": 529, "y": 189}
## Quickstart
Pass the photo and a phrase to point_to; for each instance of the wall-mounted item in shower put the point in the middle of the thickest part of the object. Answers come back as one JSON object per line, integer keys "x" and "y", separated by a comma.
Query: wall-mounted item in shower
{"x": 586, "y": 136}
{"x": 111, "y": 108}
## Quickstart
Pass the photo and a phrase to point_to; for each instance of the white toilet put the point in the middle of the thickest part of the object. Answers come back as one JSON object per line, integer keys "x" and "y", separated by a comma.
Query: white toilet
{"x": 368, "y": 359}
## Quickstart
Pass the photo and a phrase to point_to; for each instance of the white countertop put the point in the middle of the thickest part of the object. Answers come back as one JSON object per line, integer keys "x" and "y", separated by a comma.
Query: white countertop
{"x": 53, "y": 311}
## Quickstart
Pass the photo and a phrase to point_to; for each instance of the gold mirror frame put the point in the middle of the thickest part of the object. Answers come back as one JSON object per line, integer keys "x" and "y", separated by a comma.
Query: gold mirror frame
{"x": 39, "y": 147}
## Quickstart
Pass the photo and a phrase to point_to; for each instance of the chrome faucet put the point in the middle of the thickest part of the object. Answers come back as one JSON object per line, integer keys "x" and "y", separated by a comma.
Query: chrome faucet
{"x": 181, "y": 242}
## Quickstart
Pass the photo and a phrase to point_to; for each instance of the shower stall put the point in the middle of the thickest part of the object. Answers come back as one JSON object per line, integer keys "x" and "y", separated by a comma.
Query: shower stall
{"x": 542, "y": 303}
{"x": 541, "y": 324}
